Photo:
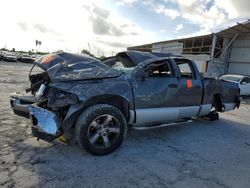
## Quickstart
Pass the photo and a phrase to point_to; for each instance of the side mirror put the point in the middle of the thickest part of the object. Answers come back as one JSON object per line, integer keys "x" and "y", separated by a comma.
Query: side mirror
{"x": 244, "y": 83}
{"x": 140, "y": 74}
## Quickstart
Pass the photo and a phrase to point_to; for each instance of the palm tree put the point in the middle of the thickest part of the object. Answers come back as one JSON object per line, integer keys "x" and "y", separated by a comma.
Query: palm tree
{"x": 37, "y": 43}
{"x": 40, "y": 43}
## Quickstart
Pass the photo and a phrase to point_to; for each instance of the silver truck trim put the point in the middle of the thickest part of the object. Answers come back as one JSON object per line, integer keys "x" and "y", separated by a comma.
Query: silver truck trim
{"x": 161, "y": 115}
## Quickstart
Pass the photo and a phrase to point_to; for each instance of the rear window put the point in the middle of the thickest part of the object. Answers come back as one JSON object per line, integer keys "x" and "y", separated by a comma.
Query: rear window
{"x": 185, "y": 68}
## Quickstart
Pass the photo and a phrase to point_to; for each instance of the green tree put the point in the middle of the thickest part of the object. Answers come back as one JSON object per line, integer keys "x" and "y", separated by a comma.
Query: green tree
{"x": 102, "y": 57}
{"x": 84, "y": 51}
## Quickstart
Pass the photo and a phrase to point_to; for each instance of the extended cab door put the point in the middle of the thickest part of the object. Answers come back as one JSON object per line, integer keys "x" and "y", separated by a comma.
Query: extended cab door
{"x": 156, "y": 93}
{"x": 190, "y": 90}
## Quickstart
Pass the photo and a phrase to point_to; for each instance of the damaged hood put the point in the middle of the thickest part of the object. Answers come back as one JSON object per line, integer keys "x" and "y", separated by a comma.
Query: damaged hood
{"x": 64, "y": 66}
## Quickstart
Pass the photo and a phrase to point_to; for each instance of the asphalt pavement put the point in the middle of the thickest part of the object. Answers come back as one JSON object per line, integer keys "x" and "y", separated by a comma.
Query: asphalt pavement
{"x": 198, "y": 154}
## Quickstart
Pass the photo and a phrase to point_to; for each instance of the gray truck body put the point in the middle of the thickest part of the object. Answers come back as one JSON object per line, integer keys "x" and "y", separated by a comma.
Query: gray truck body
{"x": 145, "y": 95}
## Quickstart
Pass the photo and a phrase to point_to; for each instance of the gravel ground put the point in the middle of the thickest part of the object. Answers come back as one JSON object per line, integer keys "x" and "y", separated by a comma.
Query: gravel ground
{"x": 199, "y": 154}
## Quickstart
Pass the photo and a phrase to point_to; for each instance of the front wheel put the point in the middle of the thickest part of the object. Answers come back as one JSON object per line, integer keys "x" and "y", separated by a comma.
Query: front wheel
{"x": 100, "y": 129}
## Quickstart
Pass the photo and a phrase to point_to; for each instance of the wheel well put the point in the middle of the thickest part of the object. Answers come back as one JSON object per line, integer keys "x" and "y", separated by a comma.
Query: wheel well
{"x": 113, "y": 100}
{"x": 217, "y": 103}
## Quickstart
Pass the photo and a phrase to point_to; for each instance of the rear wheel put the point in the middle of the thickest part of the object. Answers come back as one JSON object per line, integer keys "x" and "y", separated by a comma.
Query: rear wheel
{"x": 212, "y": 116}
{"x": 100, "y": 129}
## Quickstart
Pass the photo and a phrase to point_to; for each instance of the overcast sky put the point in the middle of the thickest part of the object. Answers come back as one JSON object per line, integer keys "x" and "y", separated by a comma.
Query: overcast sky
{"x": 107, "y": 26}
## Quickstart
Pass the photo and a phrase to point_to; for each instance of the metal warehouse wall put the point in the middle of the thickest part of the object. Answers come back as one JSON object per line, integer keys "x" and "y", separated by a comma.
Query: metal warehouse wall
{"x": 174, "y": 47}
{"x": 200, "y": 60}
{"x": 239, "y": 62}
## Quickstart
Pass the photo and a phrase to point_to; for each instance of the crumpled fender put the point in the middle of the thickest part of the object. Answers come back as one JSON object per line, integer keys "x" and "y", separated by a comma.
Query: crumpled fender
{"x": 46, "y": 120}
{"x": 72, "y": 114}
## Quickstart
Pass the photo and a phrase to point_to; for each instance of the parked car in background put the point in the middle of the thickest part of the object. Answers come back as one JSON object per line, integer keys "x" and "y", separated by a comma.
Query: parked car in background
{"x": 10, "y": 57}
{"x": 19, "y": 56}
{"x": 25, "y": 58}
{"x": 35, "y": 56}
{"x": 242, "y": 81}
{"x": 1, "y": 55}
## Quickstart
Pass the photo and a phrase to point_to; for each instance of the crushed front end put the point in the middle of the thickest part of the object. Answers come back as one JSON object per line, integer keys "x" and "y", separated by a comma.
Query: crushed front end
{"x": 45, "y": 122}
{"x": 51, "y": 105}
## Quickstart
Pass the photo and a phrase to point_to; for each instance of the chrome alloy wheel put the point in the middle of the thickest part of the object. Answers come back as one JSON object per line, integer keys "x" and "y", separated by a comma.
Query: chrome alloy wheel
{"x": 103, "y": 131}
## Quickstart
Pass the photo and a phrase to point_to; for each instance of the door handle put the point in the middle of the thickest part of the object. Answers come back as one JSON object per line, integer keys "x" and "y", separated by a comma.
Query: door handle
{"x": 172, "y": 85}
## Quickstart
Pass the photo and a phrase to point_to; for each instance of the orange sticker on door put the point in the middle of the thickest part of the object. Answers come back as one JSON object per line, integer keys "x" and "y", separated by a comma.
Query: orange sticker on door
{"x": 189, "y": 84}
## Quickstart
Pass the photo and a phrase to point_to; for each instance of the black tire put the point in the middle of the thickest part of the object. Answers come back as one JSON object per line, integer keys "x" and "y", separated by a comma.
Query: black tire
{"x": 212, "y": 116}
{"x": 84, "y": 125}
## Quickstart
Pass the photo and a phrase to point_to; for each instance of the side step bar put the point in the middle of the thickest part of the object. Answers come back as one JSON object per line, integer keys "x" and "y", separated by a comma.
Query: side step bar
{"x": 161, "y": 125}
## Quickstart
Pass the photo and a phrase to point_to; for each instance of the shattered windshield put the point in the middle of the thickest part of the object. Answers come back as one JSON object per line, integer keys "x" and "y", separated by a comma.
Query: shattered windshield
{"x": 120, "y": 67}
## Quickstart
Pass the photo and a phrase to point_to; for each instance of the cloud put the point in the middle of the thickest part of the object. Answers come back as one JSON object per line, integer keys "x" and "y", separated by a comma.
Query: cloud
{"x": 241, "y": 7}
{"x": 100, "y": 12}
{"x": 197, "y": 12}
{"x": 43, "y": 29}
{"x": 132, "y": 2}
{"x": 74, "y": 25}
{"x": 23, "y": 26}
{"x": 172, "y": 13}
{"x": 101, "y": 22}
{"x": 125, "y": 2}
{"x": 124, "y": 25}
{"x": 234, "y": 8}
{"x": 105, "y": 24}
{"x": 209, "y": 15}
{"x": 179, "y": 27}
{"x": 114, "y": 44}
{"x": 103, "y": 27}
{"x": 86, "y": 7}
{"x": 113, "y": 32}
{"x": 204, "y": 13}
{"x": 134, "y": 33}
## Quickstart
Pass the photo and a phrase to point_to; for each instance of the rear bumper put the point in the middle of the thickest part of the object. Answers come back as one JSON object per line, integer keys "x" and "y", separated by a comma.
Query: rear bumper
{"x": 232, "y": 106}
{"x": 44, "y": 122}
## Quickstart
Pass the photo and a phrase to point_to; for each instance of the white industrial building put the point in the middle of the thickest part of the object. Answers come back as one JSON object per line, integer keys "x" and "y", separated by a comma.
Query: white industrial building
{"x": 227, "y": 51}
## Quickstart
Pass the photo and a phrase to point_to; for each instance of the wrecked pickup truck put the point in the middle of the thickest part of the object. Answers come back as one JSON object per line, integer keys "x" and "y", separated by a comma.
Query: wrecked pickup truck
{"x": 98, "y": 99}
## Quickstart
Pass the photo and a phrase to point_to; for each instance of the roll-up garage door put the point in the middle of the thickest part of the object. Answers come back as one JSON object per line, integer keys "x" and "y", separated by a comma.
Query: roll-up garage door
{"x": 239, "y": 62}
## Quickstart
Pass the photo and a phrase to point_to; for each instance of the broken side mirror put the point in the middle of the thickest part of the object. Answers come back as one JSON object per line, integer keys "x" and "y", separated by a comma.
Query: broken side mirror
{"x": 141, "y": 74}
